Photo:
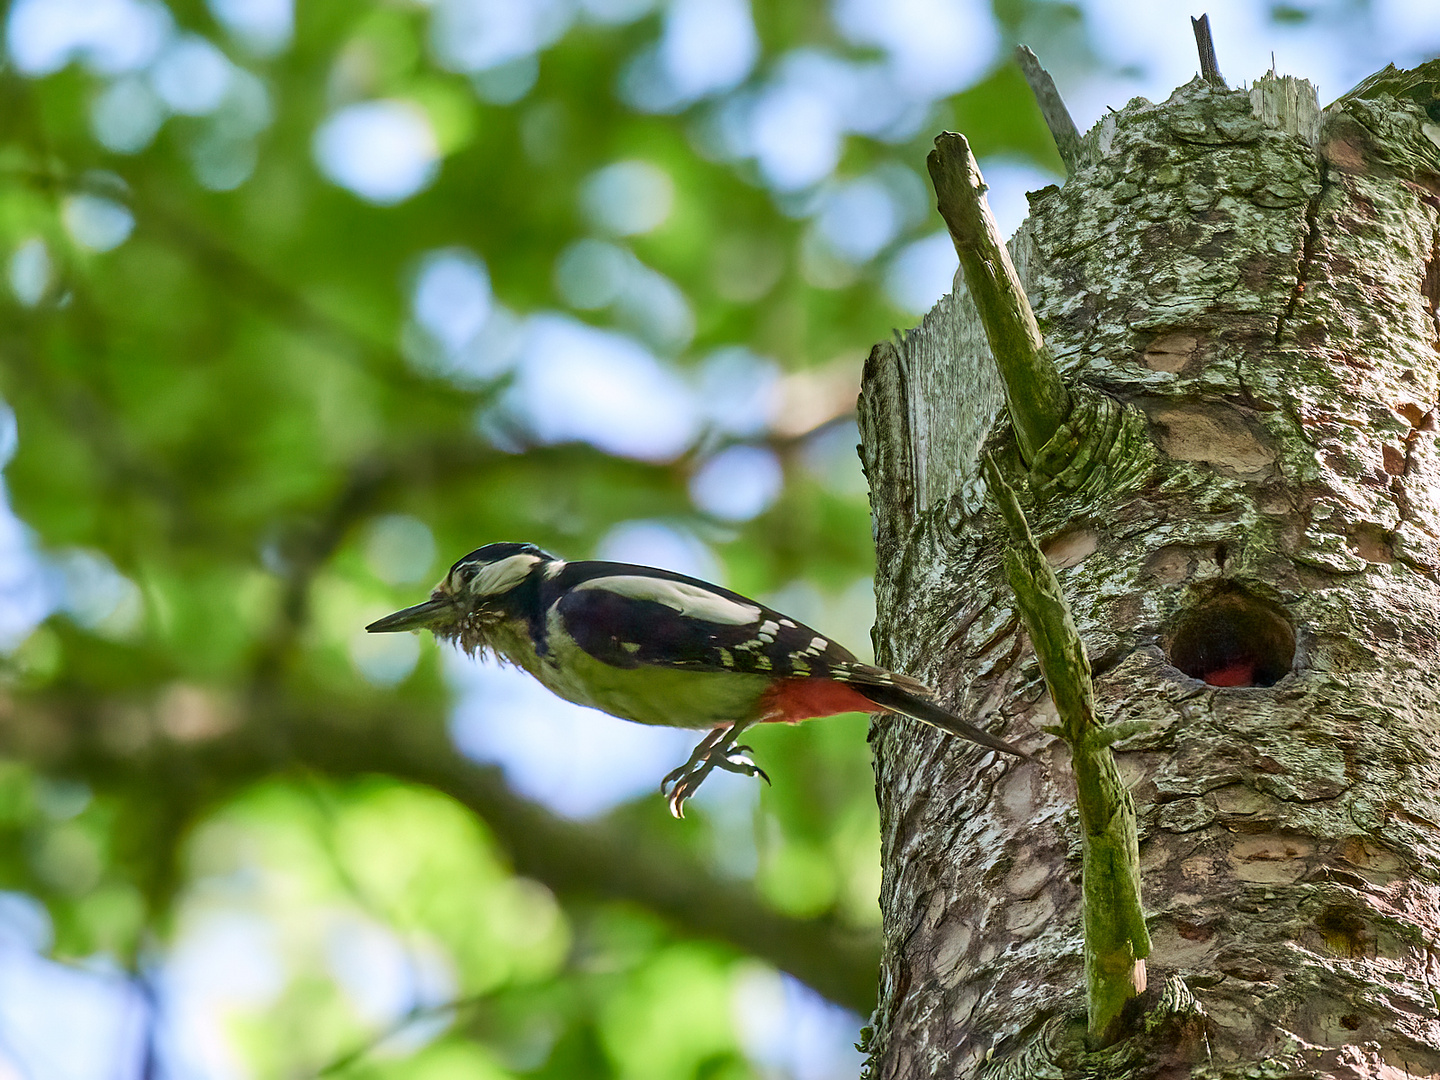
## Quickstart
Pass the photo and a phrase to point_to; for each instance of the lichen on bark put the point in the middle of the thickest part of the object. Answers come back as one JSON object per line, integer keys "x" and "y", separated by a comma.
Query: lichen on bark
{"x": 1259, "y": 281}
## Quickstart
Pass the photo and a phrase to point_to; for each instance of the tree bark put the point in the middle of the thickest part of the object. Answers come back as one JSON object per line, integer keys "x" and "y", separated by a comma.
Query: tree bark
{"x": 1254, "y": 284}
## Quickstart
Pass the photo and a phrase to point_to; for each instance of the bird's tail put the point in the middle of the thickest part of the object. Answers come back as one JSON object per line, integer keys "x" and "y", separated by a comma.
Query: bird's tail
{"x": 898, "y": 698}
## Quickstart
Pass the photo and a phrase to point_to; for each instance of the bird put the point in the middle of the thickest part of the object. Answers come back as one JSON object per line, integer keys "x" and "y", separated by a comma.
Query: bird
{"x": 659, "y": 647}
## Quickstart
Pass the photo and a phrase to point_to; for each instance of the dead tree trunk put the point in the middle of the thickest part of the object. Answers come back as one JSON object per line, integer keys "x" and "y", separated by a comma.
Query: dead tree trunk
{"x": 1251, "y": 285}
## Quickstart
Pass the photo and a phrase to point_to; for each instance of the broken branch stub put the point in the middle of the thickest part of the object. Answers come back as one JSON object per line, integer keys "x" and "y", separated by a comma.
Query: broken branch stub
{"x": 1035, "y": 394}
{"x": 1205, "y": 45}
{"x": 1052, "y": 108}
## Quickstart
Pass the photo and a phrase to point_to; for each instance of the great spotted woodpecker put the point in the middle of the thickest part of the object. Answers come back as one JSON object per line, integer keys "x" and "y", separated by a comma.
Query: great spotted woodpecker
{"x": 661, "y": 648}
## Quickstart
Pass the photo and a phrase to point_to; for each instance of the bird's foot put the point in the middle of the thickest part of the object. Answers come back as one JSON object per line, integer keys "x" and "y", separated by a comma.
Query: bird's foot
{"x": 717, "y": 750}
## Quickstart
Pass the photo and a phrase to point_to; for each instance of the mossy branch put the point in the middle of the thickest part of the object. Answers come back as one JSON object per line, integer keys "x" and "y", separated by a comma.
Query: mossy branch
{"x": 1116, "y": 940}
{"x": 1034, "y": 391}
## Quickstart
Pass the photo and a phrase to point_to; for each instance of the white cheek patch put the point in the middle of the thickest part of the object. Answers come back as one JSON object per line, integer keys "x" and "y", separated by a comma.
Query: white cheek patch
{"x": 497, "y": 577}
{"x": 689, "y": 600}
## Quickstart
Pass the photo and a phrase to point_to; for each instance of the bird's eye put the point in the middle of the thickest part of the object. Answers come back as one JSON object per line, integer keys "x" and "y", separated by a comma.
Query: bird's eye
{"x": 466, "y": 574}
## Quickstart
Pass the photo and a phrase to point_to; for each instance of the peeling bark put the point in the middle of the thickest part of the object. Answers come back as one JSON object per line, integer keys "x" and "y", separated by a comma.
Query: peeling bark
{"x": 1258, "y": 281}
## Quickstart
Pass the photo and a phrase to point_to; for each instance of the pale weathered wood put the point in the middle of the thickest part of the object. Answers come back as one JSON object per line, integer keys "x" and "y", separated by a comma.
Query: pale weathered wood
{"x": 1052, "y": 108}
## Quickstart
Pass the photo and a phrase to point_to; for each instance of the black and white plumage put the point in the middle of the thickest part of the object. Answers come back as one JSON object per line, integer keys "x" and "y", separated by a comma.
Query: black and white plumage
{"x": 658, "y": 647}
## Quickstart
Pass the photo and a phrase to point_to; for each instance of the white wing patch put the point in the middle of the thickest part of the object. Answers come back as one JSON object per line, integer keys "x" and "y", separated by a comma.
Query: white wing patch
{"x": 689, "y": 600}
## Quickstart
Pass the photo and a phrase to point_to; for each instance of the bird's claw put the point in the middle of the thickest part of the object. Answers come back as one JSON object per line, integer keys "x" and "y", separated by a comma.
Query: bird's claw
{"x": 717, "y": 750}
{"x": 738, "y": 760}
{"x": 683, "y": 789}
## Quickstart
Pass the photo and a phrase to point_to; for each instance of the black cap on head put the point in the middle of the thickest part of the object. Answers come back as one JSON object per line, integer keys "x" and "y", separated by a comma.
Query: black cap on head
{"x": 495, "y": 552}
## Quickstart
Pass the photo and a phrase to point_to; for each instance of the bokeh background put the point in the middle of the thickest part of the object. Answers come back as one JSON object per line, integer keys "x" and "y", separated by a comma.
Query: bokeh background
{"x": 300, "y": 303}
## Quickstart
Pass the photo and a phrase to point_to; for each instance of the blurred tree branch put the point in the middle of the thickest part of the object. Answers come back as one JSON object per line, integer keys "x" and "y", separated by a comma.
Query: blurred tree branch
{"x": 414, "y": 1015}
{"x": 71, "y": 736}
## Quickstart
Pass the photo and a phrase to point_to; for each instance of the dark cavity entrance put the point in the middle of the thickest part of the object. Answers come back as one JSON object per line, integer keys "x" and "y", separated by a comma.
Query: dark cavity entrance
{"x": 1233, "y": 638}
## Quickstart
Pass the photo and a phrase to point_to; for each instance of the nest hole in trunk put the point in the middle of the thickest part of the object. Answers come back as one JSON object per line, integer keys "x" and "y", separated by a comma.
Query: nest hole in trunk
{"x": 1233, "y": 638}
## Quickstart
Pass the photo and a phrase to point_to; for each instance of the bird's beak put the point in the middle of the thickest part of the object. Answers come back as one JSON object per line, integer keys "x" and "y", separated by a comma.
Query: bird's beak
{"x": 420, "y": 617}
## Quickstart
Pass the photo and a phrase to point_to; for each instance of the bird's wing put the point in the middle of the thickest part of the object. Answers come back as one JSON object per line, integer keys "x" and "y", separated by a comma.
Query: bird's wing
{"x": 630, "y": 620}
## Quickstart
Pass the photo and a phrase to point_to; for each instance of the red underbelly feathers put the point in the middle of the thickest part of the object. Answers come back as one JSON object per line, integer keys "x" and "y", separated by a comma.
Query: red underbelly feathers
{"x": 791, "y": 700}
